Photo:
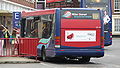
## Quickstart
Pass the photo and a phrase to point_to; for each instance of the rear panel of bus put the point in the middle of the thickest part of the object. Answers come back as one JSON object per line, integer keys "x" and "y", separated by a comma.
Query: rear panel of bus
{"x": 79, "y": 32}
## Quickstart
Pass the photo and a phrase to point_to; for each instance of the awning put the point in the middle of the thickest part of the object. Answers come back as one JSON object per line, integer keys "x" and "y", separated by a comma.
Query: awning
{"x": 50, "y": 1}
{"x": 5, "y": 13}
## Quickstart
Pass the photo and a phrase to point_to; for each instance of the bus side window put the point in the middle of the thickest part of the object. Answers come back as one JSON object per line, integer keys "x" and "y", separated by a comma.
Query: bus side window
{"x": 45, "y": 30}
{"x": 40, "y": 25}
{"x": 28, "y": 26}
{"x": 47, "y": 26}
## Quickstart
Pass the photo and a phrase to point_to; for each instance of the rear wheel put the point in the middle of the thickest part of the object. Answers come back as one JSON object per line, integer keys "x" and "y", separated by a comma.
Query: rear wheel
{"x": 84, "y": 59}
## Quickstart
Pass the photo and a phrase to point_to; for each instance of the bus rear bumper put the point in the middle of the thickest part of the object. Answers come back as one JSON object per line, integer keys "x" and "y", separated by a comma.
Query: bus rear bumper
{"x": 80, "y": 52}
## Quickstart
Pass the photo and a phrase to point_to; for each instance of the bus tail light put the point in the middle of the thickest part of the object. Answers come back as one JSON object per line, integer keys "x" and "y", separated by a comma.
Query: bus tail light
{"x": 102, "y": 42}
{"x": 57, "y": 46}
{"x": 110, "y": 35}
{"x": 57, "y": 42}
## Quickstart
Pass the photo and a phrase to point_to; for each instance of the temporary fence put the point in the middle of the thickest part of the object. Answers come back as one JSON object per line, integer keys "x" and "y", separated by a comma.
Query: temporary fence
{"x": 10, "y": 47}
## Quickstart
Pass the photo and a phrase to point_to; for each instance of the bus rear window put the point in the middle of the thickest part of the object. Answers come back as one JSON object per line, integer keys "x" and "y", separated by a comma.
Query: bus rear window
{"x": 96, "y": 1}
{"x": 80, "y": 14}
{"x": 98, "y": 4}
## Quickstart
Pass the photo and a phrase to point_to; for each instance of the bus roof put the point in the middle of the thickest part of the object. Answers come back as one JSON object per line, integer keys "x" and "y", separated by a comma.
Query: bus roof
{"x": 37, "y": 13}
{"x": 50, "y": 11}
{"x": 79, "y": 8}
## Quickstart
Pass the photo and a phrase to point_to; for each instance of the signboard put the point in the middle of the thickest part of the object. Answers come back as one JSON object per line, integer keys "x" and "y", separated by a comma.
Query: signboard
{"x": 50, "y": 1}
{"x": 16, "y": 19}
{"x": 80, "y": 14}
{"x": 80, "y": 36}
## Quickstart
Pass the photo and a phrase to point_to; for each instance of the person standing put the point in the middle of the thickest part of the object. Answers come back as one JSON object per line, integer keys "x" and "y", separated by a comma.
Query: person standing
{"x": 6, "y": 35}
{"x": 14, "y": 33}
{"x": 13, "y": 41}
{"x": 1, "y": 40}
{"x": 1, "y": 32}
{"x": 106, "y": 20}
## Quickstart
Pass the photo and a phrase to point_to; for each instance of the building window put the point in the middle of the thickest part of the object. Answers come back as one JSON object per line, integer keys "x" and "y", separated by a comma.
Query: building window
{"x": 40, "y": 5}
{"x": 41, "y": 0}
{"x": 31, "y": 1}
{"x": 69, "y": 0}
{"x": 117, "y": 6}
{"x": 117, "y": 25}
{"x": 72, "y": 0}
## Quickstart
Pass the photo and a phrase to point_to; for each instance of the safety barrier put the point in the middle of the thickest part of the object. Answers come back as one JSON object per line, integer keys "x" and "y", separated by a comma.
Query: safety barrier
{"x": 10, "y": 47}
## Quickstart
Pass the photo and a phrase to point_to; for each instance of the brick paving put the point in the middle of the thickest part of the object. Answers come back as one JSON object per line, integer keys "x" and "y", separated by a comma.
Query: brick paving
{"x": 17, "y": 60}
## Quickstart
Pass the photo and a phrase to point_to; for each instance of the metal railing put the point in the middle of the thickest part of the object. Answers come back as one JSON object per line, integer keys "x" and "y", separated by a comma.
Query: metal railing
{"x": 10, "y": 47}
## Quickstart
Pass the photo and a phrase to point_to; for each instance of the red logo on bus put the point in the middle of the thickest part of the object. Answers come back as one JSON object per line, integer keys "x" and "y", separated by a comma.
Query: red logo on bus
{"x": 67, "y": 14}
{"x": 70, "y": 36}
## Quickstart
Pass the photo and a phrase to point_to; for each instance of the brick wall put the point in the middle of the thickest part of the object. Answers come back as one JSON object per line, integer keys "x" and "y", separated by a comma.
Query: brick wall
{"x": 112, "y": 6}
{"x": 25, "y": 3}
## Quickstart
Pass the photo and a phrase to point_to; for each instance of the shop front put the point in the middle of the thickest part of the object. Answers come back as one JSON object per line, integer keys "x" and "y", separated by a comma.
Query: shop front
{"x": 6, "y": 19}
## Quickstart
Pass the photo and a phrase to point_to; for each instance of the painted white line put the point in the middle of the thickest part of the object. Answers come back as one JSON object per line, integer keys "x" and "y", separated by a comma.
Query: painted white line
{"x": 49, "y": 65}
{"x": 115, "y": 65}
{"x": 107, "y": 55}
{"x": 86, "y": 67}
{"x": 76, "y": 67}
{"x": 45, "y": 64}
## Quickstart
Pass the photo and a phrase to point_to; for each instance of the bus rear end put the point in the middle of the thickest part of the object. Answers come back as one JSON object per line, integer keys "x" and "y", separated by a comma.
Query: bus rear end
{"x": 79, "y": 33}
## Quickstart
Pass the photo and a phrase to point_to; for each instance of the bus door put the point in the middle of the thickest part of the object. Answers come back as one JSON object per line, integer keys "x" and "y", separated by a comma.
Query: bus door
{"x": 80, "y": 29}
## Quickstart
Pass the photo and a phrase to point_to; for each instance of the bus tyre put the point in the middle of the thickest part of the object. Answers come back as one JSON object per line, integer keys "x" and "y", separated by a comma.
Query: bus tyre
{"x": 44, "y": 55}
{"x": 84, "y": 59}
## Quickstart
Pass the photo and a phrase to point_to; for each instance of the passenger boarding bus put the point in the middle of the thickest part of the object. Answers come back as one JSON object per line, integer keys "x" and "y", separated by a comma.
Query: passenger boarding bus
{"x": 66, "y": 32}
{"x": 104, "y": 5}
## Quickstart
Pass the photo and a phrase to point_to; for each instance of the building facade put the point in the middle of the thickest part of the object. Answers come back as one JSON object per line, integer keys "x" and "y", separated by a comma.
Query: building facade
{"x": 7, "y": 7}
{"x": 75, "y": 3}
{"x": 17, "y": 5}
{"x": 116, "y": 17}
{"x": 45, "y": 4}
{"x": 63, "y": 3}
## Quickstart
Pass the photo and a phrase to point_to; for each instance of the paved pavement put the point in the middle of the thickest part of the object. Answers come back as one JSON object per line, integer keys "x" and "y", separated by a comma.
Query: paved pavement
{"x": 110, "y": 60}
{"x": 17, "y": 60}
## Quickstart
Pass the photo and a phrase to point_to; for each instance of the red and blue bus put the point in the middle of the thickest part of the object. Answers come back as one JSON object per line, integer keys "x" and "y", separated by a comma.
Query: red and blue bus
{"x": 67, "y": 32}
{"x": 104, "y": 5}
